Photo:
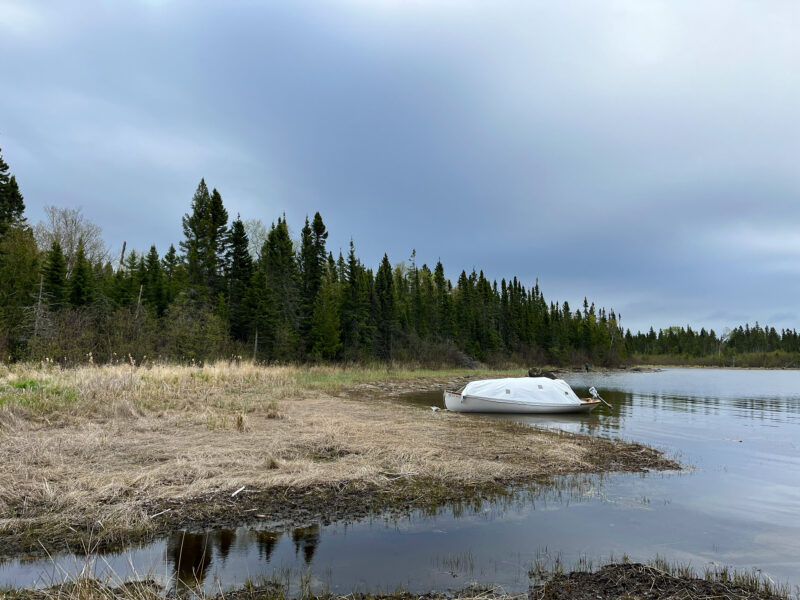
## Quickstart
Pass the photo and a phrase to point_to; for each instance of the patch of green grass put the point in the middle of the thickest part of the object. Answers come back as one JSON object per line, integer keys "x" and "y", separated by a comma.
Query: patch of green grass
{"x": 334, "y": 380}
{"x": 39, "y": 396}
{"x": 26, "y": 384}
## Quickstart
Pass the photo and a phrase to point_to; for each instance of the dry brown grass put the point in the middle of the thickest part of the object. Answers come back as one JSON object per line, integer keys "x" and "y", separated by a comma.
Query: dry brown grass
{"x": 101, "y": 449}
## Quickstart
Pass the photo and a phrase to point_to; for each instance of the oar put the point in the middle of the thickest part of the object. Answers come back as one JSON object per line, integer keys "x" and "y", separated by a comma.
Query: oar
{"x": 594, "y": 394}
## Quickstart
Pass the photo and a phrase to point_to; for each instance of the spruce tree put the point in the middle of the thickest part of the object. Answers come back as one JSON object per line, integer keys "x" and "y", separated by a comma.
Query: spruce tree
{"x": 444, "y": 315}
{"x": 12, "y": 206}
{"x": 324, "y": 335}
{"x": 239, "y": 274}
{"x": 385, "y": 313}
{"x": 154, "y": 285}
{"x": 313, "y": 259}
{"x": 81, "y": 284}
{"x": 355, "y": 305}
{"x": 196, "y": 227}
{"x": 217, "y": 244}
{"x": 261, "y": 317}
{"x": 282, "y": 277}
{"x": 174, "y": 275}
{"x": 54, "y": 277}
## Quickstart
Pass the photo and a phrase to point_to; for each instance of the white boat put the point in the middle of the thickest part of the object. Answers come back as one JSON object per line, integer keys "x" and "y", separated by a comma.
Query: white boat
{"x": 533, "y": 395}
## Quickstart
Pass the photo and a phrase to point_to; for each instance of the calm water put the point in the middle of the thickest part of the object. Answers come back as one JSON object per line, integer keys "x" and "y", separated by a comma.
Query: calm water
{"x": 738, "y": 505}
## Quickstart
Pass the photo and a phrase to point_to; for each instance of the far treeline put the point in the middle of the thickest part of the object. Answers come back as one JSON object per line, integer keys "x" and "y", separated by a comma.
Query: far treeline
{"x": 239, "y": 290}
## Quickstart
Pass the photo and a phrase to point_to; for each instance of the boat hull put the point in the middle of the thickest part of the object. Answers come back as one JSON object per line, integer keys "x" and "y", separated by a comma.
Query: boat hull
{"x": 459, "y": 403}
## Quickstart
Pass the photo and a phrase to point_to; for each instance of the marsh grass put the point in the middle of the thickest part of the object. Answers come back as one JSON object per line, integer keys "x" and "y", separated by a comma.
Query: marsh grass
{"x": 658, "y": 578}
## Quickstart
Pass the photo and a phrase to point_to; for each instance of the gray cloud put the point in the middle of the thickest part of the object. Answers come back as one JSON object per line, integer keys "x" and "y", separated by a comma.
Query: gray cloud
{"x": 641, "y": 154}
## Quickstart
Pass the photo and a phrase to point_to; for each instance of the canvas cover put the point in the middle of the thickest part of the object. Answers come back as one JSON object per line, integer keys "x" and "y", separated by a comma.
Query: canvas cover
{"x": 539, "y": 390}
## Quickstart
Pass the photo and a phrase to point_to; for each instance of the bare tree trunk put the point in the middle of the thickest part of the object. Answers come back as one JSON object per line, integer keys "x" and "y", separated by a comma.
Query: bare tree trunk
{"x": 38, "y": 309}
{"x": 122, "y": 256}
{"x": 139, "y": 301}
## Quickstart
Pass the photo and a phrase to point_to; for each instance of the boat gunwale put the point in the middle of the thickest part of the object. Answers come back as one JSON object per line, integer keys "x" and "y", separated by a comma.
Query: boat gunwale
{"x": 583, "y": 401}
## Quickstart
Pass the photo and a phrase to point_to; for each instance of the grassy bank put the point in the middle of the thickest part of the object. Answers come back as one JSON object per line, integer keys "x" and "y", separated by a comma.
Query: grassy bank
{"x": 756, "y": 360}
{"x": 657, "y": 580}
{"x": 106, "y": 455}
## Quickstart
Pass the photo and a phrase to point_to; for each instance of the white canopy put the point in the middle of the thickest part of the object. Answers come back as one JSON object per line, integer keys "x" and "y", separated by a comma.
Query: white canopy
{"x": 540, "y": 390}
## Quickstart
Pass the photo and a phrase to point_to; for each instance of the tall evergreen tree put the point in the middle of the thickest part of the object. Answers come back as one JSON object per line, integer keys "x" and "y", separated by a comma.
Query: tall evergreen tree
{"x": 19, "y": 281}
{"x": 356, "y": 328}
{"x": 204, "y": 243}
{"x": 386, "y": 313}
{"x": 194, "y": 244}
{"x": 154, "y": 285}
{"x": 313, "y": 261}
{"x": 12, "y": 206}
{"x": 261, "y": 317}
{"x": 54, "y": 282}
{"x": 239, "y": 275}
{"x": 282, "y": 280}
{"x": 81, "y": 284}
{"x": 324, "y": 335}
{"x": 216, "y": 251}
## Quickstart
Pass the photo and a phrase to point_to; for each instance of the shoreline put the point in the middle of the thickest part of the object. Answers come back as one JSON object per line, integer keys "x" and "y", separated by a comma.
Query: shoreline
{"x": 655, "y": 580}
{"x": 103, "y": 457}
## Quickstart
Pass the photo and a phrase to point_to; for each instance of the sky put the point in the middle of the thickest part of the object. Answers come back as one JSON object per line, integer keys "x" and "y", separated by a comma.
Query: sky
{"x": 643, "y": 154}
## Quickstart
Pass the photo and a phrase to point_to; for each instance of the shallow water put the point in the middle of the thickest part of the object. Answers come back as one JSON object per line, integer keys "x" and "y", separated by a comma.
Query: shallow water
{"x": 738, "y": 505}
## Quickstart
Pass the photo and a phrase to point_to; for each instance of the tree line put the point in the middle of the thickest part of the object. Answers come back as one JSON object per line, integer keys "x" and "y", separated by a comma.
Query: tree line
{"x": 235, "y": 288}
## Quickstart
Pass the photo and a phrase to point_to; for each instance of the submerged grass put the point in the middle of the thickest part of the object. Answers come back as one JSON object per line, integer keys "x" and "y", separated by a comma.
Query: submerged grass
{"x": 119, "y": 453}
{"x": 656, "y": 580}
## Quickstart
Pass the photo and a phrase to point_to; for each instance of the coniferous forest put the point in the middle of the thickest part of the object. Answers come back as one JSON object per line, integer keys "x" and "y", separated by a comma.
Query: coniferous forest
{"x": 234, "y": 288}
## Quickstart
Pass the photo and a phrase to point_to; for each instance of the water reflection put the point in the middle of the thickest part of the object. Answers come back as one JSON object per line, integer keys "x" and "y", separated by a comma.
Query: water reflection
{"x": 191, "y": 556}
{"x": 266, "y": 542}
{"x": 307, "y": 539}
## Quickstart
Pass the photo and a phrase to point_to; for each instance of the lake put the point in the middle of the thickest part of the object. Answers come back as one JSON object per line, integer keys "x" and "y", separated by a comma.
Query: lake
{"x": 736, "y": 504}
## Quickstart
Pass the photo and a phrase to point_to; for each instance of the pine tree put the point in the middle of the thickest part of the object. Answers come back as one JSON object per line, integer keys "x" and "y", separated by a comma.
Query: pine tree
{"x": 174, "y": 275}
{"x": 386, "y": 312}
{"x": 19, "y": 281}
{"x": 54, "y": 273}
{"x": 282, "y": 277}
{"x": 195, "y": 242}
{"x": 154, "y": 288}
{"x": 81, "y": 284}
{"x": 12, "y": 206}
{"x": 324, "y": 335}
{"x": 239, "y": 274}
{"x": 444, "y": 315}
{"x": 313, "y": 260}
{"x": 356, "y": 328}
{"x": 261, "y": 317}
{"x": 216, "y": 251}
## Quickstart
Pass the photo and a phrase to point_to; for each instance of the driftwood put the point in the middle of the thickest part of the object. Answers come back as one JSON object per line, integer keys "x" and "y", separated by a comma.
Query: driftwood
{"x": 536, "y": 372}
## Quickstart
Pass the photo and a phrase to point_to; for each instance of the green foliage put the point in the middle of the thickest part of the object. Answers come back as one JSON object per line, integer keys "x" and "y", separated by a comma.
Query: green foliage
{"x": 81, "y": 281}
{"x": 239, "y": 275}
{"x": 282, "y": 278}
{"x": 54, "y": 277}
{"x": 11, "y": 203}
{"x": 19, "y": 266}
{"x": 294, "y": 304}
{"x": 385, "y": 312}
{"x": 205, "y": 241}
{"x": 324, "y": 334}
{"x": 193, "y": 332}
{"x": 355, "y": 318}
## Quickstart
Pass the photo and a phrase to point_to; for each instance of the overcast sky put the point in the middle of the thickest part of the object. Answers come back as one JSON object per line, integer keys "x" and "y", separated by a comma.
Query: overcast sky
{"x": 645, "y": 154}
